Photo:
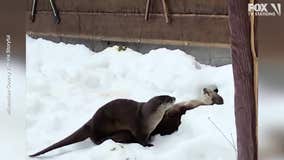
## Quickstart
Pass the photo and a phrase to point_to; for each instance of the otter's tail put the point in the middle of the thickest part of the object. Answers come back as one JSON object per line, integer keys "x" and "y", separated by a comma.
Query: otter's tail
{"x": 78, "y": 136}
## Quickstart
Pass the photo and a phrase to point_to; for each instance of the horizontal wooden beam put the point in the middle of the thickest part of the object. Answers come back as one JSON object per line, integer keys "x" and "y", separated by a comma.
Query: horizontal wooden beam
{"x": 184, "y": 29}
{"x": 135, "y": 6}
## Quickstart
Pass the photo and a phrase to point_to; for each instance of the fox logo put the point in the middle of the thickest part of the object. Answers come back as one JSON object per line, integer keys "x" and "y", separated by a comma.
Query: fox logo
{"x": 264, "y": 9}
{"x": 259, "y": 7}
{"x": 277, "y": 8}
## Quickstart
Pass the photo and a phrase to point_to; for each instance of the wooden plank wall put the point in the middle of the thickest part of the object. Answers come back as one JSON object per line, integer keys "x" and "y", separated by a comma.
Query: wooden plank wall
{"x": 199, "y": 22}
{"x": 136, "y": 6}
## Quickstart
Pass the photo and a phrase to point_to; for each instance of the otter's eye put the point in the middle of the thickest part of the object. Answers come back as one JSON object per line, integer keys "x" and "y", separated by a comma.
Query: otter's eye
{"x": 216, "y": 90}
{"x": 205, "y": 91}
{"x": 159, "y": 102}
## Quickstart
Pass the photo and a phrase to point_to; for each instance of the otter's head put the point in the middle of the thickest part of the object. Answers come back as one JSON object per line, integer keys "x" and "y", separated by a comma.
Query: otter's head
{"x": 162, "y": 102}
{"x": 211, "y": 96}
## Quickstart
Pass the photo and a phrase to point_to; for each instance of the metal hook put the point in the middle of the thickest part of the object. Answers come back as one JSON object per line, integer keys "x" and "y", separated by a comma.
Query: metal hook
{"x": 165, "y": 10}
{"x": 53, "y": 7}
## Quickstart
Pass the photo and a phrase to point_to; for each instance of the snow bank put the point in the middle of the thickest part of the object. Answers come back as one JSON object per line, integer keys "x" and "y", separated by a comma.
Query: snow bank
{"x": 68, "y": 83}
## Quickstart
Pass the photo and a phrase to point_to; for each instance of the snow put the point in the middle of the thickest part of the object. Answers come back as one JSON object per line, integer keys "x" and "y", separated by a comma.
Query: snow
{"x": 68, "y": 83}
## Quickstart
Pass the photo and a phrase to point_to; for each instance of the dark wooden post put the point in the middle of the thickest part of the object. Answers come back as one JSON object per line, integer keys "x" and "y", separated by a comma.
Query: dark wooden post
{"x": 243, "y": 68}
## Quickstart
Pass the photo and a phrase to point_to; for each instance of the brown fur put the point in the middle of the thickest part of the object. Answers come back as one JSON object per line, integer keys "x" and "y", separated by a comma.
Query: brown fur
{"x": 172, "y": 118}
{"x": 118, "y": 117}
{"x": 169, "y": 123}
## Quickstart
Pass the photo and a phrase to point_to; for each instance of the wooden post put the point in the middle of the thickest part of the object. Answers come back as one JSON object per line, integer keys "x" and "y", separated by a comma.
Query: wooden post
{"x": 243, "y": 68}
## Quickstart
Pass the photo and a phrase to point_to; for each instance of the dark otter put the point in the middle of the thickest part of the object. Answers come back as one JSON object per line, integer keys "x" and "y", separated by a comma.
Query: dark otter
{"x": 172, "y": 118}
{"x": 118, "y": 117}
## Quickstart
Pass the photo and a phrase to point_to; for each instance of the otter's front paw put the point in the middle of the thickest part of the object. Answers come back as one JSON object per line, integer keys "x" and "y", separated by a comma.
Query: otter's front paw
{"x": 148, "y": 145}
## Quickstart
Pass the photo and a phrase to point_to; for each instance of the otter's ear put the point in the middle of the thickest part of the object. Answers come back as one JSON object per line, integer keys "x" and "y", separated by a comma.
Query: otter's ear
{"x": 216, "y": 90}
{"x": 205, "y": 91}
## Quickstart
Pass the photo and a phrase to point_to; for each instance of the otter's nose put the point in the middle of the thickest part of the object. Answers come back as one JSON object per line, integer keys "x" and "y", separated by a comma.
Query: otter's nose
{"x": 218, "y": 100}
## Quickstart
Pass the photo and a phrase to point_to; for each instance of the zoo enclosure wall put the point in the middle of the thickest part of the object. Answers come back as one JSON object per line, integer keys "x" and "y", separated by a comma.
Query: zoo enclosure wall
{"x": 200, "y": 23}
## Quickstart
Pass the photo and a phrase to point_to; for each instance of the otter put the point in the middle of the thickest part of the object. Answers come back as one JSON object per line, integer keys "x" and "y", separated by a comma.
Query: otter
{"x": 172, "y": 118}
{"x": 117, "y": 117}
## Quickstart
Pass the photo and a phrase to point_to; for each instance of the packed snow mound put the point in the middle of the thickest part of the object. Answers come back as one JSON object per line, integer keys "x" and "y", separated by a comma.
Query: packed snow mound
{"x": 68, "y": 83}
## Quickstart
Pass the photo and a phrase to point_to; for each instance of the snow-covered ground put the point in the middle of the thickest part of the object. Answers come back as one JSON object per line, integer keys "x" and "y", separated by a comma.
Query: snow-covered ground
{"x": 68, "y": 83}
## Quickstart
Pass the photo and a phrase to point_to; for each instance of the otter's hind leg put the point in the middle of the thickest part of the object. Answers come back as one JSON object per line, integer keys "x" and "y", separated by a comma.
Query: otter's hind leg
{"x": 98, "y": 137}
{"x": 143, "y": 139}
{"x": 123, "y": 137}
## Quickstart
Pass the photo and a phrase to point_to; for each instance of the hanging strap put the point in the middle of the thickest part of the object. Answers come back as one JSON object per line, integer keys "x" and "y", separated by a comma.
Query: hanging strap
{"x": 255, "y": 62}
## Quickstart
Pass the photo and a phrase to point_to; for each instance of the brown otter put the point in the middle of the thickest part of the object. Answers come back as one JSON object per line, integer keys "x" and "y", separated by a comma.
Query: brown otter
{"x": 120, "y": 116}
{"x": 172, "y": 118}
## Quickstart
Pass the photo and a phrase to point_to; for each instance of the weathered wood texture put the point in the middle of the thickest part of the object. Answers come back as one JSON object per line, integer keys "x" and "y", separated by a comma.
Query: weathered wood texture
{"x": 245, "y": 106}
{"x": 135, "y": 6}
{"x": 198, "y": 22}
{"x": 115, "y": 27}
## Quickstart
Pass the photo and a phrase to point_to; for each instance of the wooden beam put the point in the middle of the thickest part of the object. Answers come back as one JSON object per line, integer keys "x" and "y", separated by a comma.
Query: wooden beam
{"x": 185, "y": 29}
{"x": 243, "y": 68}
{"x": 135, "y": 6}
